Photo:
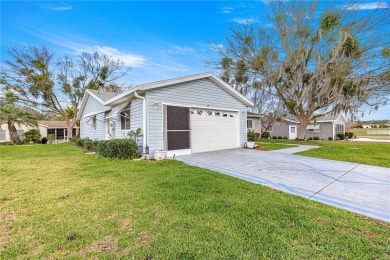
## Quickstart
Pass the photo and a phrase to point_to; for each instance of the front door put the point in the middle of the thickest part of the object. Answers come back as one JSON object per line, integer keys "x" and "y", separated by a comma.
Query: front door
{"x": 177, "y": 128}
{"x": 292, "y": 133}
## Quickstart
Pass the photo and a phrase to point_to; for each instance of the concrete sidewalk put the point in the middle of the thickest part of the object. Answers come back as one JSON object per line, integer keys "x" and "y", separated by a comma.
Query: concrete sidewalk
{"x": 360, "y": 188}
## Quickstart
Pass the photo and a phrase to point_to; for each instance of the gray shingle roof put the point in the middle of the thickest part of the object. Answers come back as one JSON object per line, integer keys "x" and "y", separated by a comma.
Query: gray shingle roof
{"x": 103, "y": 95}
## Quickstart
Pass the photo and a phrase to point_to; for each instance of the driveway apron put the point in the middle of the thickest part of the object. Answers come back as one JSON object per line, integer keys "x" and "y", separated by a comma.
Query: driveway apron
{"x": 355, "y": 187}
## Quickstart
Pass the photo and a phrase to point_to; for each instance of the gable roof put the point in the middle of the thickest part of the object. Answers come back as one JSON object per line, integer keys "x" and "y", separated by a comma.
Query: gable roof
{"x": 321, "y": 119}
{"x": 164, "y": 83}
{"x": 251, "y": 114}
{"x": 102, "y": 95}
{"x": 53, "y": 124}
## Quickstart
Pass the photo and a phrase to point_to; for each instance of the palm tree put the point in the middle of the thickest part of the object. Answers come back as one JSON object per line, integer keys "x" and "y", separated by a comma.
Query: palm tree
{"x": 14, "y": 115}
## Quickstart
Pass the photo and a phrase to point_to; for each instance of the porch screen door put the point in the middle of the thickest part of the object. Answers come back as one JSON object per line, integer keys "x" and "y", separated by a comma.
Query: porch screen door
{"x": 178, "y": 128}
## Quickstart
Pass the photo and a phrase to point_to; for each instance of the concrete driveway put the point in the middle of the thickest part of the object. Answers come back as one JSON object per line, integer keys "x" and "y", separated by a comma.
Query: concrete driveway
{"x": 359, "y": 188}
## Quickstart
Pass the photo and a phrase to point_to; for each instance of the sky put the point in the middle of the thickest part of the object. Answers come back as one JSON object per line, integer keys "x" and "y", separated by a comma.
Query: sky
{"x": 158, "y": 40}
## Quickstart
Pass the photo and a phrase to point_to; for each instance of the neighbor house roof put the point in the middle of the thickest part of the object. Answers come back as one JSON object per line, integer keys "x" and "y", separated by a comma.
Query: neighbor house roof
{"x": 52, "y": 124}
{"x": 163, "y": 83}
{"x": 251, "y": 114}
{"x": 322, "y": 119}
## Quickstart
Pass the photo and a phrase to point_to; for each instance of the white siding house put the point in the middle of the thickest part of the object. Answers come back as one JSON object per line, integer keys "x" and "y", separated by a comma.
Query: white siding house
{"x": 184, "y": 115}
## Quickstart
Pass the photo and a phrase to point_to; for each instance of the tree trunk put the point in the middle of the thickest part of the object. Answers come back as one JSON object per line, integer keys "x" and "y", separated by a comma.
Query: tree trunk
{"x": 303, "y": 122}
{"x": 13, "y": 134}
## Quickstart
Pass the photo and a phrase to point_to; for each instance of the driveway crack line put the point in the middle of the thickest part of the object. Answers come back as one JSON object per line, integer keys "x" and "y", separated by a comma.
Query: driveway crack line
{"x": 333, "y": 181}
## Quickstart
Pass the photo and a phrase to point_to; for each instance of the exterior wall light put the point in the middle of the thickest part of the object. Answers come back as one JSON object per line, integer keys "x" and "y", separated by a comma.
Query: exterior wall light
{"x": 155, "y": 106}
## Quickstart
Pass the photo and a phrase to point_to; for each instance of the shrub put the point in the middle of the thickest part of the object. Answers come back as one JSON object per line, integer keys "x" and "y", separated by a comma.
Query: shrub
{"x": 265, "y": 135}
{"x": 310, "y": 138}
{"x": 274, "y": 137}
{"x": 32, "y": 135}
{"x": 330, "y": 138}
{"x": 316, "y": 138}
{"x": 7, "y": 143}
{"x": 251, "y": 136}
{"x": 349, "y": 134}
{"x": 257, "y": 136}
{"x": 340, "y": 136}
{"x": 285, "y": 137}
{"x": 118, "y": 148}
{"x": 44, "y": 140}
{"x": 88, "y": 145}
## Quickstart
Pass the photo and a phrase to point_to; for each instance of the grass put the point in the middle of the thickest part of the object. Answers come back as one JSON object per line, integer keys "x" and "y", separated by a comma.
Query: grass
{"x": 273, "y": 146}
{"x": 358, "y": 152}
{"x": 57, "y": 202}
{"x": 362, "y": 132}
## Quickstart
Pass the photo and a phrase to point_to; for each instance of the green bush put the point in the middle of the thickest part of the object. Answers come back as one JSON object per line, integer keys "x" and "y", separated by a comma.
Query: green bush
{"x": 316, "y": 138}
{"x": 310, "y": 138}
{"x": 285, "y": 137}
{"x": 330, "y": 138}
{"x": 349, "y": 134}
{"x": 280, "y": 137}
{"x": 251, "y": 136}
{"x": 257, "y": 136}
{"x": 274, "y": 137}
{"x": 118, "y": 148}
{"x": 340, "y": 136}
{"x": 32, "y": 135}
{"x": 265, "y": 135}
{"x": 89, "y": 145}
{"x": 7, "y": 143}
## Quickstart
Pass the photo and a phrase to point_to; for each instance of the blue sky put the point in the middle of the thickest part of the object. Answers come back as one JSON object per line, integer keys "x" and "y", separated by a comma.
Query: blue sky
{"x": 159, "y": 40}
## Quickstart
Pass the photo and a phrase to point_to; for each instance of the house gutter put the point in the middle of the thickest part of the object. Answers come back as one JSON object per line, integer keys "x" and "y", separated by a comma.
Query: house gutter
{"x": 144, "y": 134}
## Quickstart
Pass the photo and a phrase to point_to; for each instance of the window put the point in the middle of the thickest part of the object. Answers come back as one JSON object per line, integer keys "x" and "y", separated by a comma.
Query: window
{"x": 210, "y": 113}
{"x": 125, "y": 120}
{"x": 224, "y": 115}
{"x": 199, "y": 112}
{"x": 339, "y": 129}
{"x": 217, "y": 113}
{"x": 313, "y": 128}
{"x": 249, "y": 124}
{"x": 2, "y": 135}
{"x": 269, "y": 129}
{"x": 94, "y": 123}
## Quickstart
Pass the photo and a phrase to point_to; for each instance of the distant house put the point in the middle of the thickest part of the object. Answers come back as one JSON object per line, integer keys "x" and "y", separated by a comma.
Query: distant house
{"x": 185, "y": 115}
{"x": 57, "y": 128}
{"x": 324, "y": 127}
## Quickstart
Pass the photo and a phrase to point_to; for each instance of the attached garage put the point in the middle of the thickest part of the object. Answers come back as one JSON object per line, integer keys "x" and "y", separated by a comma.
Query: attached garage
{"x": 195, "y": 130}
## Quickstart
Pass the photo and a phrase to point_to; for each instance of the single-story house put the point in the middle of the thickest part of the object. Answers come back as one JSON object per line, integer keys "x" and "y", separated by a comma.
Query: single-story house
{"x": 324, "y": 127}
{"x": 185, "y": 115}
{"x": 254, "y": 122}
{"x": 57, "y": 128}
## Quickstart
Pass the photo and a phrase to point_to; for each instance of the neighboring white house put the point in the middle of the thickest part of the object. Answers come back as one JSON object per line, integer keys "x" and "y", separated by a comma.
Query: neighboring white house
{"x": 57, "y": 128}
{"x": 191, "y": 114}
{"x": 254, "y": 122}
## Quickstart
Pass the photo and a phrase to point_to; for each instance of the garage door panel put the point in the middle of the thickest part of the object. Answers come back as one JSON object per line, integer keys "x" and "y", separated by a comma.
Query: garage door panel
{"x": 213, "y": 130}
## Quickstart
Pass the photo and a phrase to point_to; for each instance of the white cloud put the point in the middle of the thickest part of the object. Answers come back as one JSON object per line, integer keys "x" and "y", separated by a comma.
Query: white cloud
{"x": 182, "y": 50}
{"x": 61, "y": 8}
{"x": 367, "y": 6}
{"x": 227, "y": 10}
{"x": 248, "y": 20}
{"x": 127, "y": 58}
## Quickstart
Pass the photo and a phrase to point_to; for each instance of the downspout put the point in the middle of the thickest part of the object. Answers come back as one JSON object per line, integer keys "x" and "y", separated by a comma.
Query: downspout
{"x": 144, "y": 134}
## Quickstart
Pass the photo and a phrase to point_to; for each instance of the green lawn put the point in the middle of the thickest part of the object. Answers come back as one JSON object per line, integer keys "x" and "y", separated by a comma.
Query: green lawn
{"x": 57, "y": 202}
{"x": 272, "y": 146}
{"x": 348, "y": 151}
{"x": 362, "y": 132}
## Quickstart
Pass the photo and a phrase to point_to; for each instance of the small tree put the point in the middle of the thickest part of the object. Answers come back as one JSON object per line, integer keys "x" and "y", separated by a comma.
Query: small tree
{"x": 32, "y": 135}
{"x": 14, "y": 115}
{"x": 33, "y": 77}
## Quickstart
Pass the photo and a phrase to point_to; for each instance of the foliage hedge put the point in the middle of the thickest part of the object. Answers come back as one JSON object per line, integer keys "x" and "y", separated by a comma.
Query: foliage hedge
{"x": 118, "y": 148}
{"x": 316, "y": 138}
{"x": 349, "y": 134}
{"x": 265, "y": 135}
{"x": 251, "y": 136}
{"x": 115, "y": 148}
{"x": 32, "y": 135}
{"x": 340, "y": 136}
